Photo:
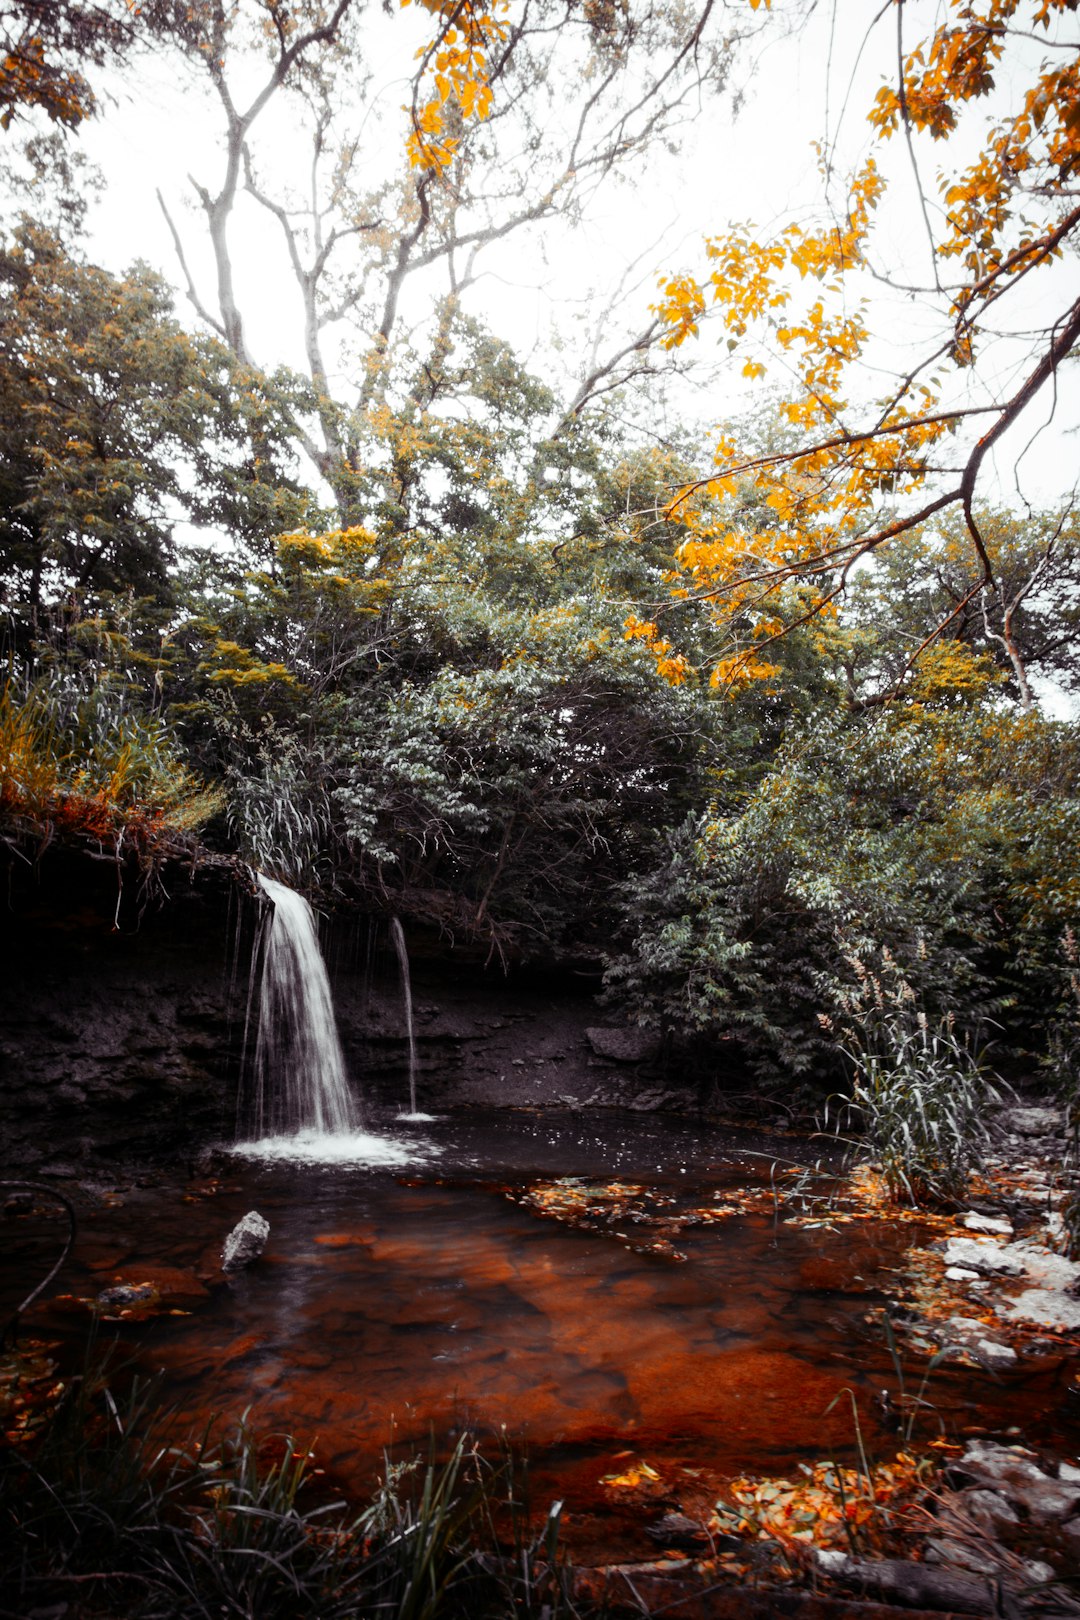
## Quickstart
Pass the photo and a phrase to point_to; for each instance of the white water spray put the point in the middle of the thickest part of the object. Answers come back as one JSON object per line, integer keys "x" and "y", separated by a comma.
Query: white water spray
{"x": 299, "y": 1081}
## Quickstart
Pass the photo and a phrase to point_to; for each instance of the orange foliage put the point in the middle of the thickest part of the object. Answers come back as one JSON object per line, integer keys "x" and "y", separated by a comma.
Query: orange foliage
{"x": 1006, "y": 214}
{"x": 454, "y": 76}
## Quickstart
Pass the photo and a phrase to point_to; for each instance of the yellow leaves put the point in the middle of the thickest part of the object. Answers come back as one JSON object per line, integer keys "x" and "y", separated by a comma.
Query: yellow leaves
{"x": 229, "y": 664}
{"x": 633, "y": 1476}
{"x": 456, "y": 65}
{"x": 671, "y": 666}
{"x": 734, "y": 675}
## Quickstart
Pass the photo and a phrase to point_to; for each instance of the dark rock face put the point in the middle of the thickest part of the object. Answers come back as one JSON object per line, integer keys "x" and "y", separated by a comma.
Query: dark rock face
{"x": 484, "y": 1040}
{"x": 122, "y": 1020}
{"x": 117, "y": 1040}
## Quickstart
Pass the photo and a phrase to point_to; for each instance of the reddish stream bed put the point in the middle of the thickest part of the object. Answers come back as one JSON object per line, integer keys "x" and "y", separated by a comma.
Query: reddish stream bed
{"x": 572, "y": 1284}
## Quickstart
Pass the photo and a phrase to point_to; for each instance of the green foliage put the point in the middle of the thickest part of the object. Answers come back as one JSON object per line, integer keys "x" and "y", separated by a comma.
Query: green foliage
{"x": 949, "y": 834}
{"x": 81, "y": 756}
{"x": 114, "y": 423}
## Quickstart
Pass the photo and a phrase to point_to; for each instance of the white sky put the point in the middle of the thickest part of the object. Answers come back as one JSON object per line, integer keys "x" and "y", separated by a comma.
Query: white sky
{"x": 162, "y": 125}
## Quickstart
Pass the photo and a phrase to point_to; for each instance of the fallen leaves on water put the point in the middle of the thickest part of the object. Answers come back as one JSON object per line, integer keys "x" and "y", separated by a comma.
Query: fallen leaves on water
{"x": 632, "y": 1477}
{"x": 831, "y": 1506}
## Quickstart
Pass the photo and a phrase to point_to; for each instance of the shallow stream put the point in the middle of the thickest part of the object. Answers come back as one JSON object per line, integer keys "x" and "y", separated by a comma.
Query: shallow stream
{"x": 608, "y": 1292}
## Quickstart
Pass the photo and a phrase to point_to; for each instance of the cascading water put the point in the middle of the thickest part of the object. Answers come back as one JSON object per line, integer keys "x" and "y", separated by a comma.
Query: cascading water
{"x": 299, "y": 1081}
{"x": 398, "y": 936}
{"x": 297, "y": 1096}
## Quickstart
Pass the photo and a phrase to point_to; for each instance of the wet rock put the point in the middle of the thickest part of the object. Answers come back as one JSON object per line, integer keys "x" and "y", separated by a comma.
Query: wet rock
{"x": 245, "y": 1242}
{"x": 996, "y": 1357}
{"x": 987, "y": 1510}
{"x": 623, "y": 1044}
{"x": 1015, "y": 1473}
{"x": 982, "y": 1255}
{"x": 676, "y": 1530}
{"x": 1045, "y": 1306}
{"x": 125, "y": 1294}
{"x": 961, "y": 1274}
{"x": 961, "y": 1555}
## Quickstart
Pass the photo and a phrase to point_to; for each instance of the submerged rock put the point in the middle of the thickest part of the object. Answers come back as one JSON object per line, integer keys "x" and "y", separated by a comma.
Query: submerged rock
{"x": 245, "y": 1242}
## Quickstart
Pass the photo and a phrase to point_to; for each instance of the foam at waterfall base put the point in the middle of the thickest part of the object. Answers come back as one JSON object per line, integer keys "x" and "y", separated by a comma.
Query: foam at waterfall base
{"x": 339, "y": 1147}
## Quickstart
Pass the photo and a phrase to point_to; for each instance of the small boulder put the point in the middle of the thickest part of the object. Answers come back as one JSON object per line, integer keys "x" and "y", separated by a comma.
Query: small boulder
{"x": 124, "y": 1295}
{"x": 996, "y": 1357}
{"x": 1016, "y": 1474}
{"x": 245, "y": 1242}
{"x": 993, "y": 1224}
{"x": 1033, "y": 1121}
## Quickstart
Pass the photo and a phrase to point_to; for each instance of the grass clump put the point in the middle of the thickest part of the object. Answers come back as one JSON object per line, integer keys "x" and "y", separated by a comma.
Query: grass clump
{"x": 105, "y": 1516}
{"x": 919, "y": 1093}
{"x": 84, "y": 758}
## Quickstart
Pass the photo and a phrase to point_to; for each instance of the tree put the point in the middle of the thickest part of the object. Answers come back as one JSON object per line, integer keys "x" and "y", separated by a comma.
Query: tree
{"x": 1024, "y": 627}
{"x": 115, "y": 425}
{"x": 46, "y": 47}
{"x": 510, "y": 120}
{"x": 1001, "y": 77}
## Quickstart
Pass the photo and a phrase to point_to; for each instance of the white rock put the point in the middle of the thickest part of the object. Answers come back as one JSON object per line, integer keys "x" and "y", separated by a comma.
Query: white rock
{"x": 987, "y": 1223}
{"x": 966, "y": 1324}
{"x": 829, "y": 1561}
{"x": 1043, "y": 1265}
{"x": 960, "y": 1274}
{"x": 1069, "y": 1472}
{"x": 1044, "y": 1306}
{"x": 245, "y": 1242}
{"x": 1015, "y": 1472}
{"x": 983, "y": 1255}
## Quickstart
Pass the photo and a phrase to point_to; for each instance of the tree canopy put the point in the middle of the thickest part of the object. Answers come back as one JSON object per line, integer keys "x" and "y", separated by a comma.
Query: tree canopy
{"x": 432, "y": 629}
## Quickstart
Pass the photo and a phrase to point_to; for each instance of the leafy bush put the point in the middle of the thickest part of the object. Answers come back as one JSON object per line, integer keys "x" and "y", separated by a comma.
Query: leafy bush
{"x": 951, "y": 836}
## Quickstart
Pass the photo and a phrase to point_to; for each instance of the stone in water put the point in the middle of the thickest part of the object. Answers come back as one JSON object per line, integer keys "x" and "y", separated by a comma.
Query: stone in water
{"x": 245, "y": 1242}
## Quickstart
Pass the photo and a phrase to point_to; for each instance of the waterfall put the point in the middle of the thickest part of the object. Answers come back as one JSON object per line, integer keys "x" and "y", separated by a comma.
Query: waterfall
{"x": 299, "y": 1082}
{"x": 398, "y": 937}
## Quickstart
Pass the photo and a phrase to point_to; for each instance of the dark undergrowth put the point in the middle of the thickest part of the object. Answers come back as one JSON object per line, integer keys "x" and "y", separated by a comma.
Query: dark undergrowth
{"x": 101, "y": 1518}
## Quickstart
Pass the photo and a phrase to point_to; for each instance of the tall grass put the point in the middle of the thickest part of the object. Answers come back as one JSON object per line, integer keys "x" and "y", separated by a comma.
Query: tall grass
{"x": 84, "y": 758}
{"x": 108, "y": 1517}
{"x": 919, "y": 1093}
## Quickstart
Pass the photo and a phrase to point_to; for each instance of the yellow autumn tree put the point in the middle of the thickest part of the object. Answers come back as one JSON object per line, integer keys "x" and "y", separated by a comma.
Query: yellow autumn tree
{"x": 986, "y": 98}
